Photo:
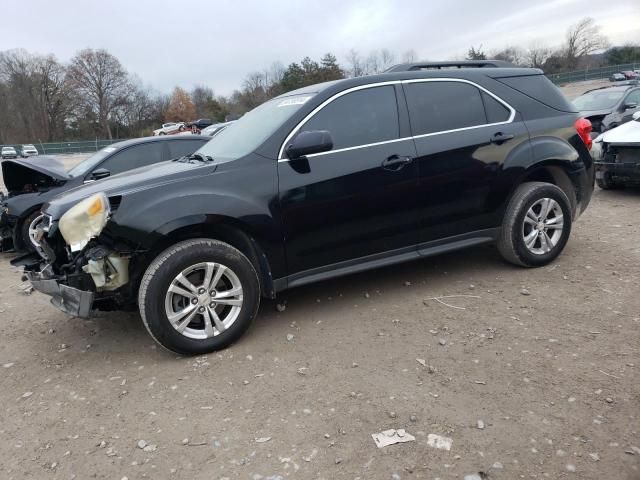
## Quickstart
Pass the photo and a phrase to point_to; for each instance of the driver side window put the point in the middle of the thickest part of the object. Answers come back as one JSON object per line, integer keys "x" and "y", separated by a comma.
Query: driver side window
{"x": 133, "y": 157}
{"x": 358, "y": 118}
{"x": 633, "y": 97}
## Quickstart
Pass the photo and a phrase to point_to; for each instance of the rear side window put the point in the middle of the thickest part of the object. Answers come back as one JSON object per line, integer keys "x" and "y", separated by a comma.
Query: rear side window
{"x": 541, "y": 89}
{"x": 181, "y": 148}
{"x": 359, "y": 118}
{"x": 133, "y": 157}
{"x": 441, "y": 106}
{"x": 496, "y": 112}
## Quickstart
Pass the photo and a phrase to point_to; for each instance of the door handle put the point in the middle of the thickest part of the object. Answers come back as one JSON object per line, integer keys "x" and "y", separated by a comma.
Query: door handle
{"x": 501, "y": 137}
{"x": 396, "y": 162}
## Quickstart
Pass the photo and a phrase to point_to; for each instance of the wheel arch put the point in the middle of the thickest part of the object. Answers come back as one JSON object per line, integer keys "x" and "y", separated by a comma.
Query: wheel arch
{"x": 551, "y": 171}
{"x": 225, "y": 229}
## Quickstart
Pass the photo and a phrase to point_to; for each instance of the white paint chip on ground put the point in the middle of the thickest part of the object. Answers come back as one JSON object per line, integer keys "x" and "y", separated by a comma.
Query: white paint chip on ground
{"x": 441, "y": 443}
{"x": 391, "y": 437}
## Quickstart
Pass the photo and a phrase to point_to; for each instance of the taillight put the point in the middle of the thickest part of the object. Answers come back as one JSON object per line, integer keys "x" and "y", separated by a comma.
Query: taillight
{"x": 583, "y": 127}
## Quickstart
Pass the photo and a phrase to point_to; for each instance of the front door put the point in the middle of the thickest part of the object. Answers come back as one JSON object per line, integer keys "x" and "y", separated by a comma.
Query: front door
{"x": 358, "y": 199}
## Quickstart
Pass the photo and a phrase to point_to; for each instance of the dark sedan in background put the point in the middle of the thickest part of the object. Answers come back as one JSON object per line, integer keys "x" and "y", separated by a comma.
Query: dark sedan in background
{"x": 33, "y": 182}
{"x": 609, "y": 107}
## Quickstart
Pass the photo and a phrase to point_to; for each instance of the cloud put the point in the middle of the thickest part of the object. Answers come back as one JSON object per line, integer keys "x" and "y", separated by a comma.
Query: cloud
{"x": 216, "y": 43}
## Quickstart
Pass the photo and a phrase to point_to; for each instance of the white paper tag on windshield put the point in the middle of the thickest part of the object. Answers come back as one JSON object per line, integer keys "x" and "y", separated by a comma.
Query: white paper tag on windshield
{"x": 288, "y": 102}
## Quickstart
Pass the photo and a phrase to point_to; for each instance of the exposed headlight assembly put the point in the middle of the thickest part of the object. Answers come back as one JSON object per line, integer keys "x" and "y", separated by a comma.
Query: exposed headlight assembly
{"x": 84, "y": 221}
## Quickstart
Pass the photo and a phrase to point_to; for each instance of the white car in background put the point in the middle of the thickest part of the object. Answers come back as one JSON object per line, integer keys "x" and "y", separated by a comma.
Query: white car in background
{"x": 8, "y": 152}
{"x": 28, "y": 150}
{"x": 617, "y": 155}
{"x": 169, "y": 128}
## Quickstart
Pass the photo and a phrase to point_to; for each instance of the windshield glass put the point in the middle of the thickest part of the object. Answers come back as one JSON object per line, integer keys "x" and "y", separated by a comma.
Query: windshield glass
{"x": 598, "y": 100}
{"x": 246, "y": 134}
{"x": 87, "y": 165}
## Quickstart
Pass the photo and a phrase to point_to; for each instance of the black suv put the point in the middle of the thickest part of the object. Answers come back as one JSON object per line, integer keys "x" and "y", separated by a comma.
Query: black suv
{"x": 324, "y": 181}
{"x": 32, "y": 182}
{"x": 609, "y": 107}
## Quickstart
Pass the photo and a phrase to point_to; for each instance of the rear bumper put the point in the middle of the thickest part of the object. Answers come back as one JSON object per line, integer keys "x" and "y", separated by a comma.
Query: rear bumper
{"x": 72, "y": 301}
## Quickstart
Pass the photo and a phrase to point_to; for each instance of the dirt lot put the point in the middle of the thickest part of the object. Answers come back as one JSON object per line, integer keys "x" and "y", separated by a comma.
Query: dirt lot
{"x": 545, "y": 360}
{"x": 552, "y": 371}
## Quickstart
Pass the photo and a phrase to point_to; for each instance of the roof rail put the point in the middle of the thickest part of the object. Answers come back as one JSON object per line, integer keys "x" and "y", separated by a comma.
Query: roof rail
{"x": 407, "y": 67}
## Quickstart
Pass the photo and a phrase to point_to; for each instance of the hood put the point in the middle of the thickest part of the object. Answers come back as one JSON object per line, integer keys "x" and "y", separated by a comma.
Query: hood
{"x": 627, "y": 134}
{"x": 153, "y": 176}
{"x": 30, "y": 174}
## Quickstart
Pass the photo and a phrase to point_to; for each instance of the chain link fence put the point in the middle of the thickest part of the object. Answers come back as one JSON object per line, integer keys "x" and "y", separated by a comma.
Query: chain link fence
{"x": 591, "y": 73}
{"x": 57, "y": 148}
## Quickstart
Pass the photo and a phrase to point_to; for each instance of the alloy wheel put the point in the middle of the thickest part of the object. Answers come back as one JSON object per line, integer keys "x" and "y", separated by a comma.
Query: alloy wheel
{"x": 543, "y": 226}
{"x": 204, "y": 300}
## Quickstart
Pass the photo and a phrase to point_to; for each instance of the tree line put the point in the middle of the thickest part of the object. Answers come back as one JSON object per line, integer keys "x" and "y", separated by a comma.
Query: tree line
{"x": 93, "y": 95}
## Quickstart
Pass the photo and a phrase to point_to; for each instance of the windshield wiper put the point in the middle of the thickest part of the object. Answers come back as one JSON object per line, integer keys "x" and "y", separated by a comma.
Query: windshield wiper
{"x": 195, "y": 156}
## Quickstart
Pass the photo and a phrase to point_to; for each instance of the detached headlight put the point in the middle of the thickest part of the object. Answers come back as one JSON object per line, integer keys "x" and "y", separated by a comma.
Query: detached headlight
{"x": 84, "y": 221}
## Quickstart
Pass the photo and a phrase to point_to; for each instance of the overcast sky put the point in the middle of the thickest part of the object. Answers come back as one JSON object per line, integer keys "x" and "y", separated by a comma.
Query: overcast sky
{"x": 216, "y": 43}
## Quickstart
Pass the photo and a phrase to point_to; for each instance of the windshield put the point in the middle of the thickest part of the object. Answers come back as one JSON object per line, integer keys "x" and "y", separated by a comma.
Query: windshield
{"x": 598, "y": 100}
{"x": 87, "y": 165}
{"x": 247, "y": 133}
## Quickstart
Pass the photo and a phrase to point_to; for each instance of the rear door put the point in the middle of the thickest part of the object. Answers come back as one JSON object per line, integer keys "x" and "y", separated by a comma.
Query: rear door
{"x": 463, "y": 134}
{"x": 358, "y": 199}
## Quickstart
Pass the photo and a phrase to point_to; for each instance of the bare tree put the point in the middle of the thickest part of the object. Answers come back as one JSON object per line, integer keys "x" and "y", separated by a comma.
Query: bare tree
{"x": 372, "y": 64}
{"x": 356, "y": 64}
{"x": 18, "y": 72}
{"x": 512, "y": 54}
{"x": 583, "y": 38}
{"x": 57, "y": 98}
{"x": 102, "y": 83}
{"x": 409, "y": 56}
{"x": 387, "y": 59}
{"x": 537, "y": 54}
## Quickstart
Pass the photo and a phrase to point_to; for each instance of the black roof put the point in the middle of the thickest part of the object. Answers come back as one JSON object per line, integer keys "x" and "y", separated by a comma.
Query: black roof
{"x": 405, "y": 72}
{"x": 407, "y": 67}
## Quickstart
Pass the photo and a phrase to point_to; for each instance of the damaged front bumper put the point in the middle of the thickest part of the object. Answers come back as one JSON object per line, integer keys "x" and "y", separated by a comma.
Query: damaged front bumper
{"x": 77, "y": 283}
{"x": 78, "y": 303}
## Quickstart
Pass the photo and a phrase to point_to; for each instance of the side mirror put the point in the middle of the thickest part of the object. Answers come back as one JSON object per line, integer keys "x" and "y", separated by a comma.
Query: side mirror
{"x": 636, "y": 116}
{"x": 100, "y": 173}
{"x": 308, "y": 143}
{"x": 629, "y": 106}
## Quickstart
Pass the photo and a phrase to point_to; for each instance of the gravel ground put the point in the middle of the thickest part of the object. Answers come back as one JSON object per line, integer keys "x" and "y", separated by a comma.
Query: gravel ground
{"x": 530, "y": 373}
{"x": 546, "y": 358}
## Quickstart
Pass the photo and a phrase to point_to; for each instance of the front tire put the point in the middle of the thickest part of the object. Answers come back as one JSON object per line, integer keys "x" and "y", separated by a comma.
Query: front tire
{"x": 199, "y": 296}
{"x": 25, "y": 238}
{"x": 536, "y": 225}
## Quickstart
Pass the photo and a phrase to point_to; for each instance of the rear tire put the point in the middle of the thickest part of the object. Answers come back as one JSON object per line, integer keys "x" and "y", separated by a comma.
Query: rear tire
{"x": 536, "y": 225}
{"x": 199, "y": 296}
